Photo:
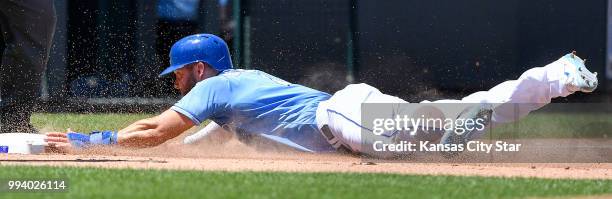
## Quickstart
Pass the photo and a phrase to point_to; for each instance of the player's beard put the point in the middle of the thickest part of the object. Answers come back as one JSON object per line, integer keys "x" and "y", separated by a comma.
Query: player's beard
{"x": 189, "y": 84}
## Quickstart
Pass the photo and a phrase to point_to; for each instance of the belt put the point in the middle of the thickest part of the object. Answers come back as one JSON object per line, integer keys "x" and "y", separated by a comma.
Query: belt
{"x": 338, "y": 144}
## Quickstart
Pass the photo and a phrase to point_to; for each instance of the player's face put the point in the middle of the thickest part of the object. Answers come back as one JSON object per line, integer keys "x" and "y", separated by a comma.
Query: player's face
{"x": 186, "y": 79}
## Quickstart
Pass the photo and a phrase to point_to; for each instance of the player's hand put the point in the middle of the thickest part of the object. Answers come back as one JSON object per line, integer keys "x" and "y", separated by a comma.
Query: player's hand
{"x": 64, "y": 142}
{"x": 58, "y": 142}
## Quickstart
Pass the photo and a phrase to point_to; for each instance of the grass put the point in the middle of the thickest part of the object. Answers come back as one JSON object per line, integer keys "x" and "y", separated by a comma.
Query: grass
{"x": 84, "y": 122}
{"x": 128, "y": 183}
{"x": 557, "y": 125}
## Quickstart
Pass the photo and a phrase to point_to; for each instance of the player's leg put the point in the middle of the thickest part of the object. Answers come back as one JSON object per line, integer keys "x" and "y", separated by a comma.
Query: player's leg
{"x": 27, "y": 28}
{"x": 512, "y": 100}
{"x": 339, "y": 118}
{"x": 535, "y": 88}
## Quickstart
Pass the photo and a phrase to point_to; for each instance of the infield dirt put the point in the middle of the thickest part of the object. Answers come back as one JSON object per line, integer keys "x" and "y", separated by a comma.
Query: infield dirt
{"x": 235, "y": 156}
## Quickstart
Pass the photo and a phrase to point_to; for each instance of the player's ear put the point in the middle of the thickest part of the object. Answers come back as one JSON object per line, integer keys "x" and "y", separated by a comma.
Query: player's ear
{"x": 200, "y": 69}
{"x": 208, "y": 71}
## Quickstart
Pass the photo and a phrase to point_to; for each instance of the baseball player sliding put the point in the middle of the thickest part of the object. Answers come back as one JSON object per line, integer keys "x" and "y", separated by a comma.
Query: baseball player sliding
{"x": 253, "y": 104}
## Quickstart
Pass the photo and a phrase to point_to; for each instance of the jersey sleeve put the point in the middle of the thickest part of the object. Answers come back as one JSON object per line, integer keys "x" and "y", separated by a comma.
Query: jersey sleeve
{"x": 205, "y": 99}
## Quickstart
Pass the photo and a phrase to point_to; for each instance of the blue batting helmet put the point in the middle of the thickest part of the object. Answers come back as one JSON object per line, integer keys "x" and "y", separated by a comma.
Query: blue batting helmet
{"x": 206, "y": 48}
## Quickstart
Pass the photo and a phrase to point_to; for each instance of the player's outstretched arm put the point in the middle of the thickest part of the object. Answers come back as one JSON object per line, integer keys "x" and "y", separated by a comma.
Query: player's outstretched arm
{"x": 213, "y": 133}
{"x": 154, "y": 131}
{"x": 143, "y": 133}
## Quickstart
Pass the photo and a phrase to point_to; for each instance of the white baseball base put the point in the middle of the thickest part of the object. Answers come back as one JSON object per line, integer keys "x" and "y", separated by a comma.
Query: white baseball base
{"x": 22, "y": 143}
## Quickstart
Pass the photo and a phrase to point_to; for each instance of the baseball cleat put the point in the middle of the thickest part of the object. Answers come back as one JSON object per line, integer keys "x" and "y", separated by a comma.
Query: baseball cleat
{"x": 478, "y": 111}
{"x": 579, "y": 78}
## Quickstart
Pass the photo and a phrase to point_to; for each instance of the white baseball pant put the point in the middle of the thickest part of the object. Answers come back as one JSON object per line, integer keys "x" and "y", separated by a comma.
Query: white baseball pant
{"x": 513, "y": 99}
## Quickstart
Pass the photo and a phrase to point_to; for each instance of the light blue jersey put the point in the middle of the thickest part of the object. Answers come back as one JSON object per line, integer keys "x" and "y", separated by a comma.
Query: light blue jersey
{"x": 255, "y": 103}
